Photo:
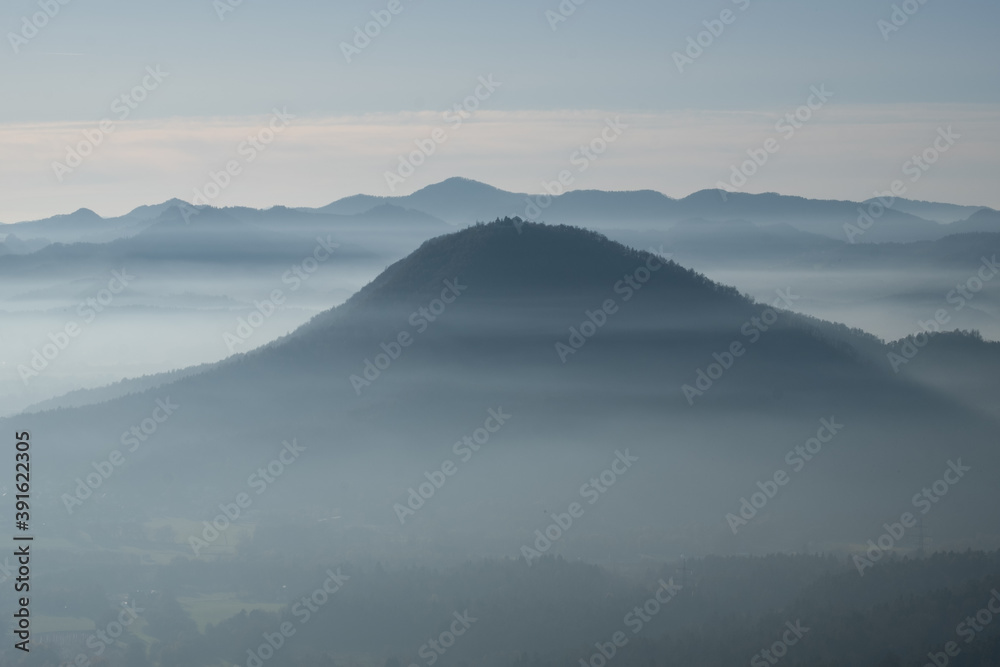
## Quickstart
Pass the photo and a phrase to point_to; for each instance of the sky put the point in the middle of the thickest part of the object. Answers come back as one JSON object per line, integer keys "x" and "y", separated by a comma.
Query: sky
{"x": 201, "y": 76}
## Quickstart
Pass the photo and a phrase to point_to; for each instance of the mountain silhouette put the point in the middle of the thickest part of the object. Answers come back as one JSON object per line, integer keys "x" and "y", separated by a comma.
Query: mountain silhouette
{"x": 591, "y": 346}
{"x": 461, "y": 202}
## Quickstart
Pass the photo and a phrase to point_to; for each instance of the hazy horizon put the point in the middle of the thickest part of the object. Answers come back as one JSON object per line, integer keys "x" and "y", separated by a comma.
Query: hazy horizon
{"x": 314, "y": 153}
{"x": 693, "y": 109}
{"x": 104, "y": 213}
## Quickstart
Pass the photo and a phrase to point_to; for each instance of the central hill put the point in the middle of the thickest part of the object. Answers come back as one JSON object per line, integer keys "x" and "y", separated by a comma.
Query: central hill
{"x": 592, "y": 348}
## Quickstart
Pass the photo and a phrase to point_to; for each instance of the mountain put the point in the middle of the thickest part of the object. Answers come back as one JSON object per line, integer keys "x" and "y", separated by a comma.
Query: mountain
{"x": 933, "y": 211}
{"x": 231, "y": 256}
{"x": 196, "y": 272}
{"x": 352, "y": 205}
{"x": 614, "y": 208}
{"x": 12, "y": 245}
{"x": 588, "y": 347}
{"x": 705, "y": 244}
{"x": 83, "y": 397}
{"x": 984, "y": 220}
{"x": 204, "y": 235}
{"x": 86, "y": 226}
{"x": 462, "y": 202}
{"x": 959, "y": 362}
{"x": 151, "y": 212}
{"x": 457, "y": 201}
{"x": 62, "y": 228}
{"x": 829, "y": 218}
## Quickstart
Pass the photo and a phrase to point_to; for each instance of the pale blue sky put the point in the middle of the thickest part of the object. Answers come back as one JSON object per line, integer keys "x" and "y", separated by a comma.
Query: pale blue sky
{"x": 610, "y": 56}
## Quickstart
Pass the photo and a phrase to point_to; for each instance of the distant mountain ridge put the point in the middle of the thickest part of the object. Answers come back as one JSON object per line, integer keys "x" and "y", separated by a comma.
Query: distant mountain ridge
{"x": 933, "y": 211}
{"x": 462, "y": 202}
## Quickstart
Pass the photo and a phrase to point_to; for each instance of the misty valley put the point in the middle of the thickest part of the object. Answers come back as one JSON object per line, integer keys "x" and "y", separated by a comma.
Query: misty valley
{"x": 389, "y": 437}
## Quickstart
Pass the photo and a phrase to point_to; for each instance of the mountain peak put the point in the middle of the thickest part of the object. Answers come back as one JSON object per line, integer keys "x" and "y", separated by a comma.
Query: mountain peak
{"x": 512, "y": 257}
{"x": 149, "y": 212}
{"x": 985, "y": 214}
{"x": 184, "y": 216}
{"x": 459, "y": 182}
